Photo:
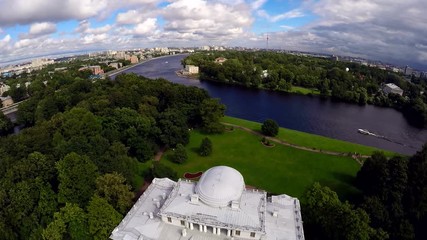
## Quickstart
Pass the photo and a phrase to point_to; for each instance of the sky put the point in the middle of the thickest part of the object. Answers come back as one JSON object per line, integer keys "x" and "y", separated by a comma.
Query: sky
{"x": 387, "y": 30}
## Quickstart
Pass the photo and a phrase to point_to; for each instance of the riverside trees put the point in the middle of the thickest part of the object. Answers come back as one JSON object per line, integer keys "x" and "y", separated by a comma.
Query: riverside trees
{"x": 392, "y": 202}
{"x": 71, "y": 171}
{"x": 279, "y": 72}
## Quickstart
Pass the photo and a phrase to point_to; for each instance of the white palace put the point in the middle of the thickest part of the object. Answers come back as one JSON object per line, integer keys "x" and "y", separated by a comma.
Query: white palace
{"x": 219, "y": 206}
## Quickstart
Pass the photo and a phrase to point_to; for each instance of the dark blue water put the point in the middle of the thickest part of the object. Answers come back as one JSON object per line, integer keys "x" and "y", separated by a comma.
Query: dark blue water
{"x": 302, "y": 113}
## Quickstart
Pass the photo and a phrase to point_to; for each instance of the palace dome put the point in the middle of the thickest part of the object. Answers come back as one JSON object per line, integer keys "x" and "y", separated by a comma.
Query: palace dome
{"x": 220, "y": 185}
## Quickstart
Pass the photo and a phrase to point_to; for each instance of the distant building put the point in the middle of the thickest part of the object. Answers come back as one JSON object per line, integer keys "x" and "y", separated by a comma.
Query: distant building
{"x": 115, "y": 65}
{"x": 205, "y": 48}
{"x": 408, "y": 71}
{"x": 392, "y": 88}
{"x": 191, "y": 69}
{"x": 6, "y": 101}
{"x": 220, "y": 60}
{"x": 134, "y": 59}
{"x": 217, "y": 207}
{"x": 96, "y": 70}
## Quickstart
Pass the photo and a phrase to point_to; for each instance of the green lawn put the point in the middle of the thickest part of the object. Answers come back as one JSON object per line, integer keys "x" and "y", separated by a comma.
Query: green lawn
{"x": 311, "y": 140}
{"x": 278, "y": 170}
{"x": 304, "y": 91}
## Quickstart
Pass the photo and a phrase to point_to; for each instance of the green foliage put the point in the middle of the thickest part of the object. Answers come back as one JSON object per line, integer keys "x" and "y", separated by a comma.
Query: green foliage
{"x": 360, "y": 85}
{"x": 6, "y": 126}
{"x": 179, "y": 154}
{"x": 395, "y": 194}
{"x": 205, "y": 148}
{"x": 69, "y": 223}
{"x": 112, "y": 187}
{"x": 102, "y": 218}
{"x": 173, "y": 127}
{"x": 326, "y": 217}
{"x": 212, "y": 111}
{"x": 162, "y": 171}
{"x": 270, "y": 128}
{"x": 76, "y": 176}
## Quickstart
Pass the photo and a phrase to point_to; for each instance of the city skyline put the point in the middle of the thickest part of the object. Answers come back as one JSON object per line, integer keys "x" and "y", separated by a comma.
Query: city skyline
{"x": 366, "y": 29}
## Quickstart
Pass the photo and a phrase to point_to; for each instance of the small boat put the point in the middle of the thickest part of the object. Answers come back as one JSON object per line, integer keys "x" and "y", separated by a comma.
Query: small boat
{"x": 364, "y": 131}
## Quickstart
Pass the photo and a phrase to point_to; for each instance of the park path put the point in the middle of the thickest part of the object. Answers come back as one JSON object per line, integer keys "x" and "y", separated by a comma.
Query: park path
{"x": 282, "y": 142}
{"x": 160, "y": 153}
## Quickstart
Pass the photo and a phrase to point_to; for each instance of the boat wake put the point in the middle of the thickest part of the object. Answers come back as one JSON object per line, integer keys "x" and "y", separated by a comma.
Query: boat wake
{"x": 366, "y": 132}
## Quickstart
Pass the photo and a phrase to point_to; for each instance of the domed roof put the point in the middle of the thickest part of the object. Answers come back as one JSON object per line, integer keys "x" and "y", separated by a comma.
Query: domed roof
{"x": 220, "y": 185}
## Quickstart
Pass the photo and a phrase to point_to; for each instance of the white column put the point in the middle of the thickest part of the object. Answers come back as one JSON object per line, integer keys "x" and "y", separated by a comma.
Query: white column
{"x": 228, "y": 232}
{"x": 218, "y": 231}
{"x": 205, "y": 228}
{"x": 200, "y": 227}
{"x": 214, "y": 230}
{"x": 191, "y": 226}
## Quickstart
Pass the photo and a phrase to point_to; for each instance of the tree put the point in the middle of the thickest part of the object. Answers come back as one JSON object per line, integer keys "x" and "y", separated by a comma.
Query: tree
{"x": 372, "y": 177}
{"x": 70, "y": 223}
{"x": 179, "y": 154}
{"x": 328, "y": 218}
{"x": 6, "y": 126}
{"x": 161, "y": 171}
{"x": 211, "y": 112}
{"x": 270, "y": 128}
{"x": 205, "y": 148}
{"x": 173, "y": 127}
{"x": 102, "y": 218}
{"x": 112, "y": 187}
{"x": 76, "y": 176}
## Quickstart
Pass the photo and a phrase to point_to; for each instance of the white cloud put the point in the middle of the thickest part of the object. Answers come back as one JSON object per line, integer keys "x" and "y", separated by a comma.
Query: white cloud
{"x": 129, "y": 17}
{"x": 40, "y": 29}
{"x": 295, "y": 13}
{"x": 83, "y": 26}
{"x": 257, "y": 4}
{"x": 4, "y": 43}
{"x": 208, "y": 20}
{"x": 25, "y": 12}
{"x": 149, "y": 26}
{"x": 99, "y": 30}
{"x": 95, "y": 38}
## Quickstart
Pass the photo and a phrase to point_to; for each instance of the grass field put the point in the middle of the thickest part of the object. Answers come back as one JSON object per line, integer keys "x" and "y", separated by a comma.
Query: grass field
{"x": 304, "y": 91}
{"x": 311, "y": 140}
{"x": 278, "y": 169}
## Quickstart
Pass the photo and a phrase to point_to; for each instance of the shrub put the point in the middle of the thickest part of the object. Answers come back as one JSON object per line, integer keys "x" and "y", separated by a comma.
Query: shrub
{"x": 270, "y": 128}
{"x": 205, "y": 147}
{"x": 179, "y": 155}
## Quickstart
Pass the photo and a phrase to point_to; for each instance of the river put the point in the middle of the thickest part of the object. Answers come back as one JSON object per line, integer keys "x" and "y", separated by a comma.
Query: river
{"x": 303, "y": 113}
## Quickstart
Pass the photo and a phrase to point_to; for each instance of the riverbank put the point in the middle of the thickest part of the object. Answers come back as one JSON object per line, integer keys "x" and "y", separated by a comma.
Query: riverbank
{"x": 277, "y": 169}
{"x": 312, "y": 141}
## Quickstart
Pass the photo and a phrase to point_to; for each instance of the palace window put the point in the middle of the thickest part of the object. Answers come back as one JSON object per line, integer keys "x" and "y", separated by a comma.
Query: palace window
{"x": 169, "y": 219}
{"x": 182, "y": 222}
{"x": 237, "y": 233}
{"x": 252, "y": 234}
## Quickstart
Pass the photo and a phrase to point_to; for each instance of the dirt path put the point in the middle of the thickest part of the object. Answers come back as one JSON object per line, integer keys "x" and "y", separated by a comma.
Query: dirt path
{"x": 159, "y": 154}
{"x": 279, "y": 141}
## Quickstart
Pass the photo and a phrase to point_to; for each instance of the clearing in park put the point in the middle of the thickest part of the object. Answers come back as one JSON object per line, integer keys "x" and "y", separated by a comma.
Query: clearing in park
{"x": 278, "y": 169}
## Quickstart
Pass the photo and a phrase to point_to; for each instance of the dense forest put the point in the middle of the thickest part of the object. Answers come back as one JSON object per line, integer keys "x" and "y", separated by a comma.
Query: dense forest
{"x": 392, "y": 203}
{"x": 73, "y": 171}
{"x": 278, "y": 71}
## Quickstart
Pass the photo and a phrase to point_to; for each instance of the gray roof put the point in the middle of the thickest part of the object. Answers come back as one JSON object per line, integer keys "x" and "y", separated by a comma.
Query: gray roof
{"x": 277, "y": 217}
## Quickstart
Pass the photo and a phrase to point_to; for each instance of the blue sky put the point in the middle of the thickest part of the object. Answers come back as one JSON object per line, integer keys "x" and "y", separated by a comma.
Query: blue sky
{"x": 363, "y": 28}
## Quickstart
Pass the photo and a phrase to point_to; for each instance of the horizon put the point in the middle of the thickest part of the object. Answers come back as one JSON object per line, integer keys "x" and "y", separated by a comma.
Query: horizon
{"x": 362, "y": 29}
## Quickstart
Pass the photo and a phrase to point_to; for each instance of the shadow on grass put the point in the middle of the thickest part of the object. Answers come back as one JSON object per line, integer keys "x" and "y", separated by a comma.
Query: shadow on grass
{"x": 195, "y": 150}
